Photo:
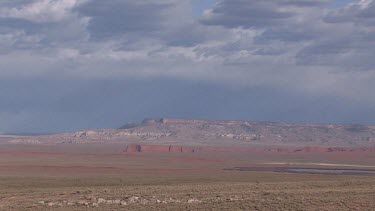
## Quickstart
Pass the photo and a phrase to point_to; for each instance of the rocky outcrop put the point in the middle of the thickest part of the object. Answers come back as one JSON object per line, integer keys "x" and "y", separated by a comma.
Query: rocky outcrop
{"x": 181, "y": 121}
{"x": 143, "y": 134}
{"x": 313, "y": 149}
{"x": 133, "y": 148}
{"x": 224, "y": 133}
{"x": 179, "y": 149}
{"x": 175, "y": 149}
{"x": 159, "y": 148}
{"x": 155, "y": 148}
{"x": 84, "y": 134}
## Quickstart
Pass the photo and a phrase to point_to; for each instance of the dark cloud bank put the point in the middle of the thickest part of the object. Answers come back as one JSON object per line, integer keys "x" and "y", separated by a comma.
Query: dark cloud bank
{"x": 72, "y": 64}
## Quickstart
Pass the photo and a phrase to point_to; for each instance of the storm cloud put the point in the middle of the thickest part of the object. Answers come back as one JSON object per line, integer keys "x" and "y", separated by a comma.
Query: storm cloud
{"x": 72, "y": 64}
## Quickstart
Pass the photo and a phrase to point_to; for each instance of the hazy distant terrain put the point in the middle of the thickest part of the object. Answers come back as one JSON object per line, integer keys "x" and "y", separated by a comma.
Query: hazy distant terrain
{"x": 73, "y": 72}
{"x": 220, "y": 134}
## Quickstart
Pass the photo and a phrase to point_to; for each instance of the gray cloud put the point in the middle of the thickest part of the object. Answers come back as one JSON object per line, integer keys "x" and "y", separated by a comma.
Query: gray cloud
{"x": 306, "y": 50}
{"x": 259, "y": 14}
{"x": 351, "y": 48}
{"x": 245, "y": 14}
{"x": 350, "y": 54}
{"x": 125, "y": 17}
{"x": 59, "y": 105}
{"x": 362, "y": 13}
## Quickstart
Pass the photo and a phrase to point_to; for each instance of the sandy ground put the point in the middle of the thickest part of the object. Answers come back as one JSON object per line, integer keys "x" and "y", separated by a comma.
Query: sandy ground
{"x": 320, "y": 164}
{"x": 103, "y": 179}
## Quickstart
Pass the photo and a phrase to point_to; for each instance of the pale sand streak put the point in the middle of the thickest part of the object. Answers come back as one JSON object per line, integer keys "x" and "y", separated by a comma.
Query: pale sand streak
{"x": 319, "y": 164}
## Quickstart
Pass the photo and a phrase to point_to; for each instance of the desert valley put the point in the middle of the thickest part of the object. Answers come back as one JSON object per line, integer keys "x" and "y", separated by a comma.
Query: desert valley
{"x": 174, "y": 164}
{"x": 249, "y": 105}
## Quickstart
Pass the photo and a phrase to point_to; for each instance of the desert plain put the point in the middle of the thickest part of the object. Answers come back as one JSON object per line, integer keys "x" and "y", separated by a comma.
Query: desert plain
{"x": 171, "y": 164}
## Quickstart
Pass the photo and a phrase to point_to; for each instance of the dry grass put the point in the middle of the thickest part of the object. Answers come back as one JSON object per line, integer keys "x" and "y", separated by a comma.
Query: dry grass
{"x": 177, "y": 182}
{"x": 350, "y": 193}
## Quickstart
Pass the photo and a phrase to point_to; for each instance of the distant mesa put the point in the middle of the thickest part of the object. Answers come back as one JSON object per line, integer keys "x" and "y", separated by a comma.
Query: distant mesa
{"x": 157, "y": 148}
{"x": 272, "y": 136}
{"x": 151, "y": 121}
{"x": 138, "y": 148}
{"x": 147, "y": 121}
{"x": 84, "y": 134}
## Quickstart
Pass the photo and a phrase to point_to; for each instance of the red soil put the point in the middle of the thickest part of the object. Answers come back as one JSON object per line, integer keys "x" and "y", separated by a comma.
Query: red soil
{"x": 158, "y": 148}
{"x": 29, "y": 153}
{"x": 155, "y": 148}
{"x": 313, "y": 149}
{"x": 195, "y": 159}
{"x": 175, "y": 149}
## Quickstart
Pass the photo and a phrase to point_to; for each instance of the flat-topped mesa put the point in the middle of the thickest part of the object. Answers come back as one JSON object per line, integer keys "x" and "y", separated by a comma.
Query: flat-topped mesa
{"x": 220, "y": 122}
{"x": 223, "y": 133}
{"x": 227, "y": 122}
{"x": 349, "y": 127}
{"x": 181, "y": 121}
{"x": 150, "y": 121}
{"x": 143, "y": 134}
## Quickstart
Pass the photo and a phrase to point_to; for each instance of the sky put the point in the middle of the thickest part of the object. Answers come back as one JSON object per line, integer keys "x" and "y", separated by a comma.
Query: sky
{"x": 68, "y": 65}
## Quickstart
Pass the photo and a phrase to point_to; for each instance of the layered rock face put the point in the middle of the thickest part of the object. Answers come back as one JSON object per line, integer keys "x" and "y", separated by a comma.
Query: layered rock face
{"x": 260, "y": 133}
{"x": 185, "y": 132}
{"x": 132, "y": 148}
{"x": 157, "y": 148}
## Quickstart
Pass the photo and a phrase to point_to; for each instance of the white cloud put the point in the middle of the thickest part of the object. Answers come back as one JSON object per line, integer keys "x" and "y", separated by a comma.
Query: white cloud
{"x": 42, "y": 11}
{"x": 291, "y": 45}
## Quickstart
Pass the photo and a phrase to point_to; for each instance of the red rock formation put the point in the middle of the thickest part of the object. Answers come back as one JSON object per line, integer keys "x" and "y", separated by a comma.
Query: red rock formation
{"x": 189, "y": 149}
{"x": 155, "y": 148}
{"x": 175, "y": 149}
{"x": 133, "y": 148}
{"x": 312, "y": 149}
{"x": 339, "y": 149}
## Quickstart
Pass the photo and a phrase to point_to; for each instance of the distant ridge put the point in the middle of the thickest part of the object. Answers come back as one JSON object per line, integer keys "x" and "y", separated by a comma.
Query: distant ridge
{"x": 188, "y": 120}
{"x": 221, "y": 133}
